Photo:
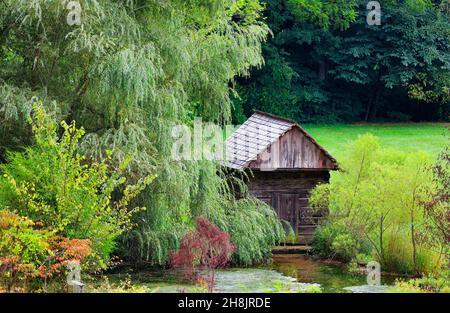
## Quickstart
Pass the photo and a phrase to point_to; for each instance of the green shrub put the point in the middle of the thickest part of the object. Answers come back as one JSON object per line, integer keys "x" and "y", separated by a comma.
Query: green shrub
{"x": 425, "y": 284}
{"x": 287, "y": 286}
{"x": 332, "y": 240}
{"x": 345, "y": 246}
{"x": 22, "y": 249}
{"x": 54, "y": 186}
{"x": 323, "y": 239}
{"x": 30, "y": 255}
{"x": 377, "y": 207}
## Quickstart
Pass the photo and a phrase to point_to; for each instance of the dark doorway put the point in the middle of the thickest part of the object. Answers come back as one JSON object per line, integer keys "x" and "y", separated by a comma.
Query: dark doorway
{"x": 285, "y": 205}
{"x": 294, "y": 211}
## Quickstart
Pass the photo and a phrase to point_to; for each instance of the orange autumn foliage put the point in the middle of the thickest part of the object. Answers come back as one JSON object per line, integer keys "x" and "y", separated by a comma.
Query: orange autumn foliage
{"x": 28, "y": 253}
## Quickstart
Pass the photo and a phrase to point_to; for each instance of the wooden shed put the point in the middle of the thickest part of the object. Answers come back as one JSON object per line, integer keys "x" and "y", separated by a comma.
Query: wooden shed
{"x": 286, "y": 163}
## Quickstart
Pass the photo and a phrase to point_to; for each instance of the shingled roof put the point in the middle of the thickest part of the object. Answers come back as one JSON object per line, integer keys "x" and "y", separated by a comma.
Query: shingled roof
{"x": 259, "y": 132}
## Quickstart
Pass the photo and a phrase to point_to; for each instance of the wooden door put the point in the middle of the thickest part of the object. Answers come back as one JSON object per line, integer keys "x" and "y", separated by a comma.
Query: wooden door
{"x": 285, "y": 204}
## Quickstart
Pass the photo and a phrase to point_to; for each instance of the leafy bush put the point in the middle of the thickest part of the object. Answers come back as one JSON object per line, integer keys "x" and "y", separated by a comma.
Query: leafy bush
{"x": 125, "y": 285}
{"x": 51, "y": 185}
{"x": 323, "y": 240}
{"x": 29, "y": 253}
{"x": 288, "y": 286}
{"x": 425, "y": 284}
{"x": 335, "y": 241}
{"x": 437, "y": 208}
{"x": 22, "y": 248}
{"x": 345, "y": 246}
{"x": 378, "y": 198}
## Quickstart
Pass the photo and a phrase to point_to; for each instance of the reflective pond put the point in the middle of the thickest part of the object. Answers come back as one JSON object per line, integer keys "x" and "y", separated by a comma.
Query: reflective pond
{"x": 287, "y": 273}
{"x": 331, "y": 276}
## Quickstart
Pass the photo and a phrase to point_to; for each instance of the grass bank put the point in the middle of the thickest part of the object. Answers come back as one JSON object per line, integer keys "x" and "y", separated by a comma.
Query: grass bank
{"x": 409, "y": 137}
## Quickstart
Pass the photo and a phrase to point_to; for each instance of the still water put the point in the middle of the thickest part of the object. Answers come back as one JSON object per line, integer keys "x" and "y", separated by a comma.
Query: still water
{"x": 332, "y": 277}
{"x": 287, "y": 273}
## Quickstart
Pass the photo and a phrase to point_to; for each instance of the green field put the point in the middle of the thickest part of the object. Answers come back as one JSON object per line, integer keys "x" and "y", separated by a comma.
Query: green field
{"x": 428, "y": 137}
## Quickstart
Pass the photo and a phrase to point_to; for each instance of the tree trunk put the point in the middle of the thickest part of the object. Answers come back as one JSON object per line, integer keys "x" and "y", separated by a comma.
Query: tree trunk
{"x": 322, "y": 69}
{"x": 372, "y": 106}
{"x": 369, "y": 107}
{"x": 381, "y": 239}
{"x": 212, "y": 281}
{"x": 413, "y": 240}
{"x": 80, "y": 91}
{"x": 413, "y": 236}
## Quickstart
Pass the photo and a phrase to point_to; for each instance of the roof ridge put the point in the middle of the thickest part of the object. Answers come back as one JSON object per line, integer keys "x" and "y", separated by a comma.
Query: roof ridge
{"x": 283, "y": 130}
{"x": 275, "y": 116}
{"x": 301, "y": 129}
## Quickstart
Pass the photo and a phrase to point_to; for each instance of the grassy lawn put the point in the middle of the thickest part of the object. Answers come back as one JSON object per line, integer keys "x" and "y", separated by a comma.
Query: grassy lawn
{"x": 429, "y": 137}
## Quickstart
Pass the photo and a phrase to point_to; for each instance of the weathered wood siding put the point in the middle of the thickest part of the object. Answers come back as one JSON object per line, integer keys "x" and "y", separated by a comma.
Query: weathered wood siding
{"x": 287, "y": 163}
{"x": 287, "y": 192}
{"x": 293, "y": 150}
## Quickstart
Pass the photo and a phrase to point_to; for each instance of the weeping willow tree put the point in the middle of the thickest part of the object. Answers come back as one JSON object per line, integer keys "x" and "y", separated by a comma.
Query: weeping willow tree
{"x": 129, "y": 71}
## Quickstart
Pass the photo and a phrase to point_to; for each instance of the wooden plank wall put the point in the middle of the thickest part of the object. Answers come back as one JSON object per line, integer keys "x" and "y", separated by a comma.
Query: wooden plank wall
{"x": 292, "y": 150}
{"x": 263, "y": 184}
{"x": 279, "y": 188}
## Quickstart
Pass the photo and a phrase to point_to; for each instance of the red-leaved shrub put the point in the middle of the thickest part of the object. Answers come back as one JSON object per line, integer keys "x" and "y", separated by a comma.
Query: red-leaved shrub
{"x": 202, "y": 251}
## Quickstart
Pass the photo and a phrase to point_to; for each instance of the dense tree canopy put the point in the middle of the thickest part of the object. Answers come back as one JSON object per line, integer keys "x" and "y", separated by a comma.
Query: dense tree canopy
{"x": 127, "y": 74}
{"x": 325, "y": 63}
{"x": 129, "y": 65}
